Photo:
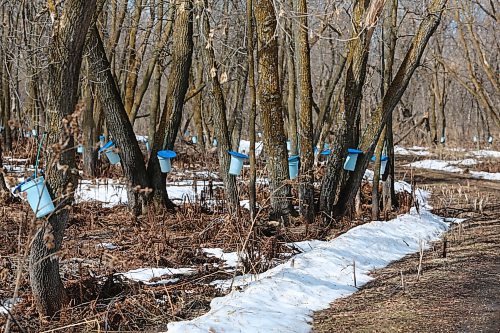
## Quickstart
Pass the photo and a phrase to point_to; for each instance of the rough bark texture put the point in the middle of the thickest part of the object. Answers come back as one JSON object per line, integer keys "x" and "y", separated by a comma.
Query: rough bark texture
{"x": 219, "y": 117}
{"x": 65, "y": 56}
{"x": 348, "y": 115}
{"x": 253, "y": 108}
{"x": 326, "y": 105}
{"x": 235, "y": 129}
{"x": 306, "y": 188}
{"x": 170, "y": 120}
{"x": 390, "y": 100}
{"x": 197, "y": 108}
{"x": 90, "y": 135}
{"x": 269, "y": 102}
{"x": 291, "y": 97}
{"x": 118, "y": 123}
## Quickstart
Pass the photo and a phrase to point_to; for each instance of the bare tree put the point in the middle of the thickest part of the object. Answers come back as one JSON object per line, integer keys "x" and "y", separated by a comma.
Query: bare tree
{"x": 269, "y": 102}
{"x": 65, "y": 57}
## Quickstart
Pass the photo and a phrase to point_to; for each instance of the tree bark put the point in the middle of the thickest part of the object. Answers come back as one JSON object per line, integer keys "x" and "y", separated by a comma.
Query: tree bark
{"x": 65, "y": 56}
{"x": 269, "y": 99}
{"x": 391, "y": 98}
{"x": 118, "y": 123}
{"x": 348, "y": 117}
{"x": 219, "y": 116}
{"x": 253, "y": 108}
{"x": 302, "y": 51}
{"x": 170, "y": 120}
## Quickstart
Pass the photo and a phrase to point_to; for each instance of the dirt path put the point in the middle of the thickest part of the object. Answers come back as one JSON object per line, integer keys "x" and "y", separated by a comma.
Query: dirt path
{"x": 456, "y": 292}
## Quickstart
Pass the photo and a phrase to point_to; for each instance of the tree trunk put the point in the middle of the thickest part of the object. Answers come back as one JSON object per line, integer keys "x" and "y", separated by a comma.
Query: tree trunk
{"x": 65, "y": 56}
{"x": 197, "y": 107}
{"x": 391, "y": 98}
{"x": 219, "y": 116}
{"x": 349, "y": 115}
{"x": 118, "y": 124}
{"x": 170, "y": 120}
{"x": 253, "y": 108}
{"x": 89, "y": 132}
{"x": 326, "y": 106}
{"x": 269, "y": 97}
{"x": 131, "y": 70}
{"x": 291, "y": 97}
{"x": 306, "y": 187}
{"x": 235, "y": 129}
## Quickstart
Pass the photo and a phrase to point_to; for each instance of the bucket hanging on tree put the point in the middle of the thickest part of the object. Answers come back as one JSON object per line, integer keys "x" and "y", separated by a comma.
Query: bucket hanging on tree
{"x": 108, "y": 149}
{"x": 352, "y": 157}
{"x": 383, "y": 163}
{"x": 293, "y": 166}
{"x": 236, "y": 165}
{"x": 164, "y": 157}
{"x": 37, "y": 195}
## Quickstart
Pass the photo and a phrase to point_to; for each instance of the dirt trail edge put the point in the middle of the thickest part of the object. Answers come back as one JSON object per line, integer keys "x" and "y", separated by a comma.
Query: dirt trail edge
{"x": 458, "y": 289}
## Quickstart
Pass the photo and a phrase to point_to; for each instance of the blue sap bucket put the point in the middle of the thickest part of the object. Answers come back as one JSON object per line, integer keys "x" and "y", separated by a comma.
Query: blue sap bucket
{"x": 38, "y": 196}
{"x": 326, "y": 146}
{"x": 383, "y": 163}
{"x": 79, "y": 149}
{"x": 326, "y": 152}
{"x": 293, "y": 166}
{"x": 113, "y": 157}
{"x": 352, "y": 157}
{"x": 194, "y": 139}
{"x": 148, "y": 146}
{"x": 236, "y": 163}
{"x": 164, "y": 157}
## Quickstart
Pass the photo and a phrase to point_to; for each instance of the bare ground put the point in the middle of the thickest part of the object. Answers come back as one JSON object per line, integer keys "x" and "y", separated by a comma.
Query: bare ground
{"x": 458, "y": 289}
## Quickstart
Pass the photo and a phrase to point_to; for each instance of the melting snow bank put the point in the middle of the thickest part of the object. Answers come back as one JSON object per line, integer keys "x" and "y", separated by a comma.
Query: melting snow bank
{"x": 451, "y": 166}
{"x": 284, "y": 298}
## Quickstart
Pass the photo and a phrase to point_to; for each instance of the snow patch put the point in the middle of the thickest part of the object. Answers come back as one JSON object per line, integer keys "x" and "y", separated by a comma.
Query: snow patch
{"x": 145, "y": 275}
{"x": 283, "y": 298}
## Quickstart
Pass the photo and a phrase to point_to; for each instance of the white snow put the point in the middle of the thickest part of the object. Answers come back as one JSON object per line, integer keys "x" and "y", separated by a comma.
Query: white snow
{"x": 486, "y": 153}
{"x": 245, "y": 147}
{"x": 108, "y": 246}
{"x": 7, "y": 304}
{"x": 145, "y": 275}
{"x": 112, "y": 193}
{"x": 283, "y": 298}
{"x": 107, "y": 191}
{"x": 485, "y": 175}
{"x": 450, "y": 166}
{"x": 230, "y": 258}
{"x": 417, "y": 151}
{"x": 435, "y": 165}
{"x": 466, "y": 162}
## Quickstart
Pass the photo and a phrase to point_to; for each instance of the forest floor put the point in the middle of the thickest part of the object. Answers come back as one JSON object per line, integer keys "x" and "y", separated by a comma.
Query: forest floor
{"x": 458, "y": 288}
{"x": 126, "y": 273}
